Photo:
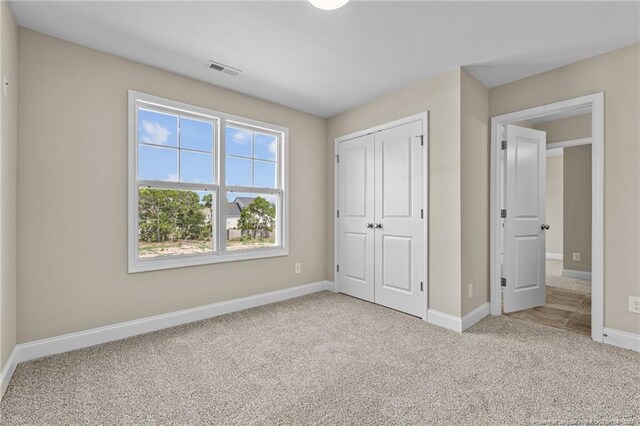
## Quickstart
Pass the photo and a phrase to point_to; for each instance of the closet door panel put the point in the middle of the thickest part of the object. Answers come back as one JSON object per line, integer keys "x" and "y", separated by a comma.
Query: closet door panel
{"x": 356, "y": 212}
{"x": 399, "y": 257}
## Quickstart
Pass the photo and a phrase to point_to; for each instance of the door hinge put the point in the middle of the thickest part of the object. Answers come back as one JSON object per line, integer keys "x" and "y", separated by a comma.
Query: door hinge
{"x": 504, "y": 144}
{"x": 337, "y": 268}
{"x": 421, "y": 286}
{"x": 503, "y": 213}
{"x": 338, "y": 213}
{"x": 503, "y": 282}
{"x": 421, "y": 213}
{"x": 337, "y": 158}
{"x": 421, "y": 140}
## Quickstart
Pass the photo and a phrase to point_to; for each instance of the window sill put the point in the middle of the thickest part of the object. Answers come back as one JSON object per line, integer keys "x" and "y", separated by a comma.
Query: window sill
{"x": 156, "y": 264}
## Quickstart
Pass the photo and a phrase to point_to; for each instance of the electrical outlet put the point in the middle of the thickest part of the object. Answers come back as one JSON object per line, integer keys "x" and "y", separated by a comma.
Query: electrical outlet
{"x": 298, "y": 268}
{"x": 576, "y": 257}
{"x": 470, "y": 290}
{"x": 634, "y": 304}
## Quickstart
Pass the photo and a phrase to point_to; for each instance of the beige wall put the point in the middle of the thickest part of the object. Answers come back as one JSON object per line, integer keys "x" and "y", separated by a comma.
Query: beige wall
{"x": 72, "y": 164}
{"x": 577, "y": 207}
{"x": 564, "y": 129}
{"x": 554, "y": 204}
{"x": 9, "y": 181}
{"x": 576, "y": 192}
{"x": 441, "y": 97}
{"x": 458, "y": 108}
{"x": 72, "y": 170}
{"x": 474, "y": 183}
{"x": 578, "y": 232}
{"x": 617, "y": 74}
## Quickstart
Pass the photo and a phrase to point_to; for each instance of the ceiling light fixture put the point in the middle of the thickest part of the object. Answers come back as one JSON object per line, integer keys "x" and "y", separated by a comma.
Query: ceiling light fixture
{"x": 328, "y": 4}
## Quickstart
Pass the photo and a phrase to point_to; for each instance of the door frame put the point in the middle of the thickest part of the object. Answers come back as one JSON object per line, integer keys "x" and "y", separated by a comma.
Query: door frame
{"x": 424, "y": 116}
{"x": 596, "y": 103}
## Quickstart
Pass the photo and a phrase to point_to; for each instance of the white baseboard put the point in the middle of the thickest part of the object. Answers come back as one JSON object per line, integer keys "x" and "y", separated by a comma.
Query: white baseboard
{"x": 622, "y": 339}
{"x": 458, "y": 324}
{"x": 476, "y": 315}
{"x": 96, "y": 336}
{"x": 581, "y": 275}
{"x": 331, "y": 286}
{"x": 555, "y": 256}
{"x": 7, "y": 372}
{"x": 441, "y": 319}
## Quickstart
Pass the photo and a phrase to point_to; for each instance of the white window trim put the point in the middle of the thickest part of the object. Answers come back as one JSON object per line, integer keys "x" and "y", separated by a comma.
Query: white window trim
{"x": 137, "y": 264}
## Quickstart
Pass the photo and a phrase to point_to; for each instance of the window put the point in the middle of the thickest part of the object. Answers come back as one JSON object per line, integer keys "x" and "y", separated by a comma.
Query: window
{"x": 204, "y": 187}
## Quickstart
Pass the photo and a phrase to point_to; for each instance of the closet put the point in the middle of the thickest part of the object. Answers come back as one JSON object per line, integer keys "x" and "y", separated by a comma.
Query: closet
{"x": 381, "y": 222}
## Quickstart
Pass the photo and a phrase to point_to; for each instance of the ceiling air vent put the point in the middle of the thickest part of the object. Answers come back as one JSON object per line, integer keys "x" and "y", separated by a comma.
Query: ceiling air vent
{"x": 223, "y": 68}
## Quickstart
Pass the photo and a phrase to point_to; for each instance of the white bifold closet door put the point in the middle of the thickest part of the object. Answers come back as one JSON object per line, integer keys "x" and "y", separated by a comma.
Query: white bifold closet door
{"x": 380, "y": 224}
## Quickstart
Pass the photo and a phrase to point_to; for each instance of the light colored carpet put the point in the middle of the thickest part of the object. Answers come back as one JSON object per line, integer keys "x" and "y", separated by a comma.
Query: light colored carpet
{"x": 555, "y": 279}
{"x": 332, "y": 359}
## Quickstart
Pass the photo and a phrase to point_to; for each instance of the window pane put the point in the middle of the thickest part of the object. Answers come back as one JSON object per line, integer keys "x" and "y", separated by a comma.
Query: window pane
{"x": 155, "y": 163}
{"x": 173, "y": 222}
{"x": 238, "y": 171}
{"x": 239, "y": 142}
{"x": 266, "y": 146}
{"x": 264, "y": 173}
{"x": 251, "y": 221}
{"x": 196, "y": 167}
{"x": 157, "y": 128}
{"x": 196, "y": 134}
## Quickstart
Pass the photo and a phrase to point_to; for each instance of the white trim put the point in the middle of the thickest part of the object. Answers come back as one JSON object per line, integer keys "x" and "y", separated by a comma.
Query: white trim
{"x": 331, "y": 286}
{"x": 96, "y": 336}
{"x": 454, "y": 323}
{"x": 622, "y": 339}
{"x": 555, "y": 256}
{"x": 559, "y": 116}
{"x": 156, "y": 264}
{"x": 136, "y": 264}
{"x": 395, "y": 123}
{"x": 596, "y": 103}
{"x": 424, "y": 116}
{"x": 569, "y": 143}
{"x": 581, "y": 275}
{"x": 476, "y": 315}
{"x": 450, "y": 322}
{"x": 555, "y": 152}
{"x": 7, "y": 371}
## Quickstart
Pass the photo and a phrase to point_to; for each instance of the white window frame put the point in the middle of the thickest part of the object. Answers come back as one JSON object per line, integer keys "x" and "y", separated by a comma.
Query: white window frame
{"x": 219, "y": 188}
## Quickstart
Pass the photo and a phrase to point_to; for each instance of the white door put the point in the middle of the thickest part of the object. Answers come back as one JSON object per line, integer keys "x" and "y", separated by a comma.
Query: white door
{"x": 524, "y": 245}
{"x": 356, "y": 216}
{"x": 399, "y": 250}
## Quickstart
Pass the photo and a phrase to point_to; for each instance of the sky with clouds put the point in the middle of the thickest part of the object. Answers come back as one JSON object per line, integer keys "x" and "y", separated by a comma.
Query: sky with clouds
{"x": 250, "y": 159}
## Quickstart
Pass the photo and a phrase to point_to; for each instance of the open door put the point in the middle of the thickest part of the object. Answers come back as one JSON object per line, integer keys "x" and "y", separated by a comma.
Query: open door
{"x": 524, "y": 241}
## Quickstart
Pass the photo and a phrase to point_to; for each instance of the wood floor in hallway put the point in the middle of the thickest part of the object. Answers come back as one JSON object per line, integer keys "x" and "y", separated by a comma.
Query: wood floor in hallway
{"x": 565, "y": 309}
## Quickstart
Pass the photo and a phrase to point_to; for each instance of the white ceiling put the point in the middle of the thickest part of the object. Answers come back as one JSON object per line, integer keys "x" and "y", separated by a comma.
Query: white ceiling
{"x": 327, "y": 62}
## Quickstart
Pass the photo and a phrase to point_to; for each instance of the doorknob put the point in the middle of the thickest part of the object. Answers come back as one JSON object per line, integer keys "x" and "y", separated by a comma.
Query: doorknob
{"x": 544, "y": 226}
{"x": 369, "y": 225}
{"x": 378, "y": 226}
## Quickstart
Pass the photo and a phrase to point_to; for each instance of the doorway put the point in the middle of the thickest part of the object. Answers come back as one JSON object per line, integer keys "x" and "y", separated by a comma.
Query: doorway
{"x": 381, "y": 215}
{"x": 567, "y": 224}
{"x": 531, "y": 277}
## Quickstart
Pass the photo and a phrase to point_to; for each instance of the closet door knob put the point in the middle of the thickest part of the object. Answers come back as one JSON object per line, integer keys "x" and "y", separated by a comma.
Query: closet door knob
{"x": 378, "y": 226}
{"x": 544, "y": 226}
{"x": 369, "y": 225}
